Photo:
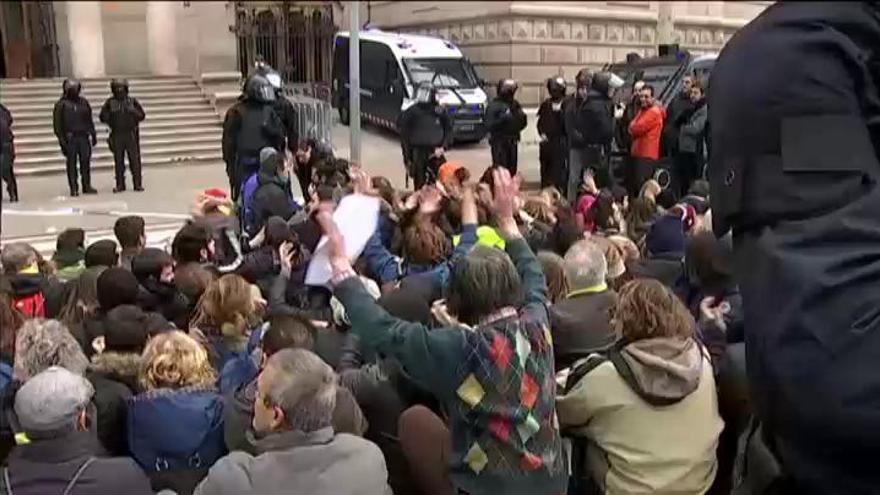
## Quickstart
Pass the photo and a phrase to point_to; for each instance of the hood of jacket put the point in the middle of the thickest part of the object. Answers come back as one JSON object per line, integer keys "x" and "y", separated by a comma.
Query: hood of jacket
{"x": 116, "y": 366}
{"x": 663, "y": 370}
{"x": 174, "y": 422}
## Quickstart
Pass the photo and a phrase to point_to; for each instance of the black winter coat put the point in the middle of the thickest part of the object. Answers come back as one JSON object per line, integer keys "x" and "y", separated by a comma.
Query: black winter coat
{"x": 424, "y": 124}
{"x": 589, "y": 121}
{"x": 72, "y": 116}
{"x": 794, "y": 171}
{"x": 44, "y": 467}
{"x": 505, "y": 119}
{"x": 114, "y": 377}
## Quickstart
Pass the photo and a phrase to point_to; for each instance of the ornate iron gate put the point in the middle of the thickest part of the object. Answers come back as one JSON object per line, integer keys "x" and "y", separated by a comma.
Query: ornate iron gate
{"x": 296, "y": 40}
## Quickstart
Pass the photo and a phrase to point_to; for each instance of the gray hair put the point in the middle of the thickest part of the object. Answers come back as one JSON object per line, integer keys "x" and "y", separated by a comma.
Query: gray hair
{"x": 303, "y": 386}
{"x": 51, "y": 401}
{"x": 40, "y": 344}
{"x": 585, "y": 265}
{"x": 482, "y": 282}
{"x": 16, "y": 256}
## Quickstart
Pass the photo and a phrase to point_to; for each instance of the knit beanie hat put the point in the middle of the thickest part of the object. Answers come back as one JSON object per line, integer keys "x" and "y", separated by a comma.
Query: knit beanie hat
{"x": 666, "y": 236}
{"x": 116, "y": 286}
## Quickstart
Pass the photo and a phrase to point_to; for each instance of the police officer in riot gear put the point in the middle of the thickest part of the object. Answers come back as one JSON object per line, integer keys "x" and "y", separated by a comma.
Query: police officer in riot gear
{"x": 283, "y": 107}
{"x": 123, "y": 114}
{"x": 75, "y": 130}
{"x": 794, "y": 176}
{"x": 425, "y": 130}
{"x": 553, "y": 152}
{"x": 505, "y": 119}
{"x": 590, "y": 128}
{"x": 7, "y": 154}
{"x": 249, "y": 126}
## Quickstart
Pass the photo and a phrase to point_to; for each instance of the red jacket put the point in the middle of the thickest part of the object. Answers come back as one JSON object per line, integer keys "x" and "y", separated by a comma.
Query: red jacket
{"x": 645, "y": 130}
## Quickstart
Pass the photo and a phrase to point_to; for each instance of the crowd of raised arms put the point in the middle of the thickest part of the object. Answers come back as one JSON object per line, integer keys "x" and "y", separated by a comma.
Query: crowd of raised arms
{"x": 484, "y": 341}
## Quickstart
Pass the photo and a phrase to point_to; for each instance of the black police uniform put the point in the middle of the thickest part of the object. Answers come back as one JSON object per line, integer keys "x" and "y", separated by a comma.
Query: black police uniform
{"x": 553, "y": 152}
{"x": 505, "y": 120}
{"x": 123, "y": 114}
{"x": 249, "y": 126}
{"x": 794, "y": 173}
{"x": 75, "y": 130}
{"x": 7, "y": 154}
{"x": 423, "y": 127}
{"x": 589, "y": 124}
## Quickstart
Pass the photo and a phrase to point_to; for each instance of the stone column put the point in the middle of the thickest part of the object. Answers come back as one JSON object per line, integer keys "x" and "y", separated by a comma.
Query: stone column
{"x": 665, "y": 23}
{"x": 162, "y": 38}
{"x": 86, "y": 32}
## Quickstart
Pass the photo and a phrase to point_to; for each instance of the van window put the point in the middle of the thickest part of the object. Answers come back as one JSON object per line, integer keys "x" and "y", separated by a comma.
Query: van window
{"x": 373, "y": 62}
{"x": 340, "y": 59}
{"x": 442, "y": 72}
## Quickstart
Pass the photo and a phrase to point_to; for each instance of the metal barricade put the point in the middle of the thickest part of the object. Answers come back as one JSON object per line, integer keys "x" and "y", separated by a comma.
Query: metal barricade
{"x": 315, "y": 116}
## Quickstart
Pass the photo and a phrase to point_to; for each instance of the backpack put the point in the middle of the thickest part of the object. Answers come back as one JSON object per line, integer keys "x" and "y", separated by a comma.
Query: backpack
{"x": 31, "y": 305}
{"x": 248, "y": 214}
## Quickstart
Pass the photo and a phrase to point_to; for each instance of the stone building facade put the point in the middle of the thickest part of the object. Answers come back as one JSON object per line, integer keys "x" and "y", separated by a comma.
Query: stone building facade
{"x": 93, "y": 39}
{"x": 531, "y": 41}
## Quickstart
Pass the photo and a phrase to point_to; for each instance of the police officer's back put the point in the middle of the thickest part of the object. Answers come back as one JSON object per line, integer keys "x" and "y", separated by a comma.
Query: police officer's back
{"x": 505, "y": 120}
{"x": 284, "y": 108}
{"x": 589, "y": 124}
{"x": 123, "y": 114}
{"x": 794, "y": 171}
{"x": 424, "y": 127}
{"x": 249, "y": 126}
{"x": 75, "y": 130}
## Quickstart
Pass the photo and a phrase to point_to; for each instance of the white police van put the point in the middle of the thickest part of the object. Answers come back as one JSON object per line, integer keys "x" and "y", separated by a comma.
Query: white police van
{"x": 393, "y": 65}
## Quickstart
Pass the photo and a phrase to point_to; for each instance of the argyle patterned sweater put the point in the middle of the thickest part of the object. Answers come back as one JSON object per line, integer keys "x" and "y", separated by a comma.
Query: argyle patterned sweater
{"x": 496, "y": 383}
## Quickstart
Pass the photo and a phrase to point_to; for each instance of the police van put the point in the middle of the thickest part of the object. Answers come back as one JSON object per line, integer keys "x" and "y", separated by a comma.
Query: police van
{"x": 394, "y": 65}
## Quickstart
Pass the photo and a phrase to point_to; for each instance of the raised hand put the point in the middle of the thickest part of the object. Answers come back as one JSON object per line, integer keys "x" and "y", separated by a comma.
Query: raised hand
{"x": 504, "y": 200}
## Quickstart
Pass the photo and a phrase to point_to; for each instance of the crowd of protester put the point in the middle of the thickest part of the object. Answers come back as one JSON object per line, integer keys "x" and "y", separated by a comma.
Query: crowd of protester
{"x": 486, "y": 340}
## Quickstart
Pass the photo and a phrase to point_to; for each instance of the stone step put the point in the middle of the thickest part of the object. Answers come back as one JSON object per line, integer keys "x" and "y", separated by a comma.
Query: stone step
{"x": 56, "y": 84}
{"x": 147, "y": 144}
{"x": 40, "y": 136}
{"x": 150, "y": 98}
{"x": 106, "y": 79}
{"x": 47, "y": 104}
{"x": 150, "y": 111}
{"x": 104, "y": 152}
{"x": 183, "y": 118}
{"x": 57, "y": 166}
{"x": 97, "y": 94}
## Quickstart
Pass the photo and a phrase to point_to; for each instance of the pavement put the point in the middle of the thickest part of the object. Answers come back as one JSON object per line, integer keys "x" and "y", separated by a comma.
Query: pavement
{"x": 45, "y": 209}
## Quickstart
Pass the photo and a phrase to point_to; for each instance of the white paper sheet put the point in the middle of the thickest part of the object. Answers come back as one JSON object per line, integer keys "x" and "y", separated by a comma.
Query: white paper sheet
{"x": 357, "y": 217}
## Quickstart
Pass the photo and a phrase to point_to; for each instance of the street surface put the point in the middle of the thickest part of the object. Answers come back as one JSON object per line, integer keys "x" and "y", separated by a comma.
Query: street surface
{"x": 45, "y": 210}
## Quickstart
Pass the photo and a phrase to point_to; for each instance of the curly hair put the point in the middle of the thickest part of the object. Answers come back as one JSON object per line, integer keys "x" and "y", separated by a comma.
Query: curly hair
{"x": 175, "y": 360}
{"x": 425, "y": 243}
{"x": 646, "y": 309}
{"x": 226, "y": 306}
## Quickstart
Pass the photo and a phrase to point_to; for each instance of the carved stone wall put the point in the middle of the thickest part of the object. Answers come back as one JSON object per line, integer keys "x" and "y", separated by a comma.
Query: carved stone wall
{"x": 531, "y": 41}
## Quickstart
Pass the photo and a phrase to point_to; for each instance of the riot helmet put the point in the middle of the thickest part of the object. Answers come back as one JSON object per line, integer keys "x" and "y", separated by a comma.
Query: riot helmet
{"x": 258, "y": 89}
{"x": 119, "y": 88}
{"x": 556, "y": 87}
{"x": 507, "y": 88}
{"x": 606, "y": 82}
{"x": 71, "y": 88}
{"x": 274, "y": 79}
{"x": 425, "y": 93}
